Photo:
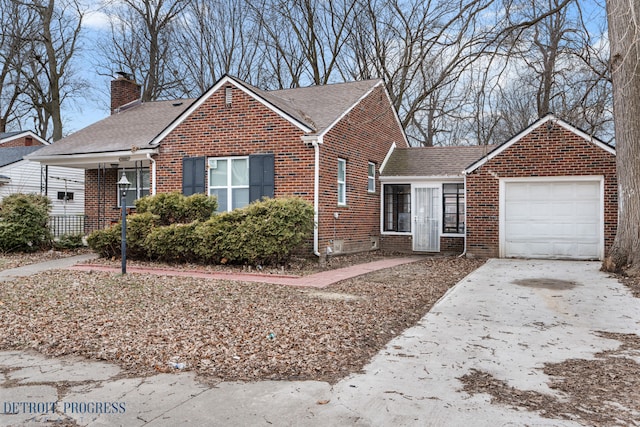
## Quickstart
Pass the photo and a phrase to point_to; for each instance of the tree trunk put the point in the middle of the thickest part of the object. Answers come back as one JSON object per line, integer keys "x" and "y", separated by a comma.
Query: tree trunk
{"x": 624, "y": 38}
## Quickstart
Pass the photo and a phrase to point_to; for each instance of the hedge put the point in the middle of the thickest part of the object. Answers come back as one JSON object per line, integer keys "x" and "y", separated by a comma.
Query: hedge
{"x": 23, "y": 223}
{"x": 264, "y": 232}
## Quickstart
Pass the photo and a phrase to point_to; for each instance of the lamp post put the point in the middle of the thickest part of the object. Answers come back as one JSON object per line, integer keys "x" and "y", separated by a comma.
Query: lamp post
{"x": 123, "y": 186}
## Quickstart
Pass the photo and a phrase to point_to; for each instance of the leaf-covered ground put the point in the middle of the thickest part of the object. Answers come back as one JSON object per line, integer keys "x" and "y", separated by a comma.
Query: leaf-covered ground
{"x": 604, "y": 391}
{"x": 222, "y": 329}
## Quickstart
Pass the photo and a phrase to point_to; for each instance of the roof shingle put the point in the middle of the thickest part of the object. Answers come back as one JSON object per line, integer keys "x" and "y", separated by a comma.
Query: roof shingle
{"x": 136, "y": 126}
{"x": 433, "y": 161}
{"x": 11, "y": 155}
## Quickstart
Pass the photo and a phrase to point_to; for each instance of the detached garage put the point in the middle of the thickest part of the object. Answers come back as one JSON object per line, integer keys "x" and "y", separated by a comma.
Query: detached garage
{"x": 549, "y": 192}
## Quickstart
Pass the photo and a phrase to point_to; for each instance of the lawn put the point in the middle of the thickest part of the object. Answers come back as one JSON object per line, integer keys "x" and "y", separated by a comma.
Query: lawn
{"x": 222, "y": 329}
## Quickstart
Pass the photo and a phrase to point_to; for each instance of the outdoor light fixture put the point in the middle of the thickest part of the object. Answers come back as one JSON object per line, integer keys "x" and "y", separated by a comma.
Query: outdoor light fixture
{"x": 123, "y": 186}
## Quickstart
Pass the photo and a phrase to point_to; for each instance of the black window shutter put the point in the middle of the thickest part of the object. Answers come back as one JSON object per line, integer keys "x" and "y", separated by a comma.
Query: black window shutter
{"x": 193, "y": 175}
{"x": 261, "y": 176}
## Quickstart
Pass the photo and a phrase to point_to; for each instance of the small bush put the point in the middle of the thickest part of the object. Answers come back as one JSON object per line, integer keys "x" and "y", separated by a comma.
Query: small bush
{"x": 216, "y": 238}
{"x": 23, "y": 223}
{"x": 172, "y": 243}
{"x": 265, "y": 232}
{"x": 199, "y": 207}
{"x": 106, "y": 242}
{"x": 68, "y": 241}
{"x": 174, "y": 208}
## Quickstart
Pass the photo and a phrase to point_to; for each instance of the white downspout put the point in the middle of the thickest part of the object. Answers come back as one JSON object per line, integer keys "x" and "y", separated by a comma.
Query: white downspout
{"x": 153, "y": 174}
{"x": 316, "y": 196}
{"x": 466, "y": 222}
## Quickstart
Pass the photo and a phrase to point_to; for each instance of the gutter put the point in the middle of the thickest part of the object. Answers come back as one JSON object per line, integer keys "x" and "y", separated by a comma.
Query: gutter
{"x": 153, "y": 174}
{"x": 466, "y": 222}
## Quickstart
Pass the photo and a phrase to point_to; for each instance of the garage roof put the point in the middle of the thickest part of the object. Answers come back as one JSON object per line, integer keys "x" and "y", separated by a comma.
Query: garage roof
{"x": 433, "y": 161}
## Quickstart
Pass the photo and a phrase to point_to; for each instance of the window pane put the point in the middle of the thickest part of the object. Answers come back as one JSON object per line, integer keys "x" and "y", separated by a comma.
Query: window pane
{"x": 240, "y": 197}
{"x": 240, "y": 172}
{"x": 341, "y": 169}
{"x": 146, "y": 178}
{"x": 221, "y": 194}
{"x": 131, "y": 197}
{"x": 453, "y": 208}
{"x": 371, "y": 183}
{"x": 341, "y": 193}
{"x": 218, "y": 173}
{"x": 131, "y": 176}
{"x": 397, "y": 208}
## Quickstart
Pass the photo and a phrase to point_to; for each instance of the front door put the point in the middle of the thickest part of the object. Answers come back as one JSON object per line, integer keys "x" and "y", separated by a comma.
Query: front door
{"x": 426, "y": 236}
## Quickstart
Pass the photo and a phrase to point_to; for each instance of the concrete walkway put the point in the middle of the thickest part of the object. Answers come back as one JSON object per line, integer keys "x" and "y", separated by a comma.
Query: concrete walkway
{"x": 317, "y": 280}
{"x": 55, "y": 264}
{"x": 508, "y": 318}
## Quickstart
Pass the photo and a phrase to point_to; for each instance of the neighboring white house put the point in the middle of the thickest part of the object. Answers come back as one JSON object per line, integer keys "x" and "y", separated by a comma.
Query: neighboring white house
{"x": 63, "y": 186}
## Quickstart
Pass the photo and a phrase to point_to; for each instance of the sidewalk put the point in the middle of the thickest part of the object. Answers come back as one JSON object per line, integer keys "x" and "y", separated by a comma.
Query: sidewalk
{"x": 55, "y": 264}
{"x": 317, "y": 280}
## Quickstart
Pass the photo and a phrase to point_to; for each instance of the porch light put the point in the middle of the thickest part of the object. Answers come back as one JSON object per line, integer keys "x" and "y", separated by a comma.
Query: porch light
{"x": 123, "y": 186}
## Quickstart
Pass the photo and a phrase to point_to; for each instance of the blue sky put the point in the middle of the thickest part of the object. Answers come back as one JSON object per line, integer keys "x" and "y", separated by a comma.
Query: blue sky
{"x": 92, "y": 105}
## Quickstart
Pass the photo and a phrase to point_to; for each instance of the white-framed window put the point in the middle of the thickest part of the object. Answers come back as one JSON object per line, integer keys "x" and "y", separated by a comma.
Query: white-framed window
{"x": 342, "y": 182}
{"x": 140, "y": 183}
{"x": 453, "y": 219}
{"x": 371, "y": 177}
{"x": 397, "y": 207}
{"x": 229, "y": 181}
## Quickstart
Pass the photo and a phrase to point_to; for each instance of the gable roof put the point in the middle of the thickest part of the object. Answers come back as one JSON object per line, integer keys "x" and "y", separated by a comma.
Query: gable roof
{"x": 133, "y": 127}
{"x": 433, "y": 161}
{"x": 551, "y": 119}
{"x": 10, "y": 136}
{"x": 11, "y": 155}
{"x": 313, "y": 109}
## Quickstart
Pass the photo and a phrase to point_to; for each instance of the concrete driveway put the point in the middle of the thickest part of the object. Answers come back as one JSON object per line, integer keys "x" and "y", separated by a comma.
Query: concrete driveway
{"x": 508, "y": 318}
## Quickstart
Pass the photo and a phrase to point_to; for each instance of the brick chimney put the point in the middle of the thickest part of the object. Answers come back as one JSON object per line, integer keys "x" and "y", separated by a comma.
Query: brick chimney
{"x": 123, "y": 91}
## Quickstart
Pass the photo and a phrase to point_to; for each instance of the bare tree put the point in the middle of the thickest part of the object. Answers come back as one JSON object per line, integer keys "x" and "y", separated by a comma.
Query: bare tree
{"x": 560, "y": 66}
{"x": 49, "y": 70}
{"x": 624, "y": 38}
{"x": 420, "y": 49}
{"x": 142, "y": 43}
{"x": 304, "y": 39}
{"x": 216, "y": 38}
{"x": 17, "y": 25}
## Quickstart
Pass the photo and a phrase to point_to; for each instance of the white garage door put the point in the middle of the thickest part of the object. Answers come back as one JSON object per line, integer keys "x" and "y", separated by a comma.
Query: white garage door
{"x": 560, "y": 219}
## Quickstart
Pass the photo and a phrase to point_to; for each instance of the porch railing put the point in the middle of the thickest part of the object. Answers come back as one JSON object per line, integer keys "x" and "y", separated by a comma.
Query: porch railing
{"x": 66, "y": 224}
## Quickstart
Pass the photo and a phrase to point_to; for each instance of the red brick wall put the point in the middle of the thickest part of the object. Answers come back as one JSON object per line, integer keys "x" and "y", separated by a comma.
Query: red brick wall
{"x": 403, "y": 244}
{"x": 25, "y": 141}
{"x": 542, "y": 153}
{"x": 396, "y": 243}
{"x": 243, "y": 128}
{"x": 248, "y": 127}
{"x": 109, "y": 204}
{"x": 451, "y": 245}
{"x": 123, "y": 91}
{"x": 362, "y": 136}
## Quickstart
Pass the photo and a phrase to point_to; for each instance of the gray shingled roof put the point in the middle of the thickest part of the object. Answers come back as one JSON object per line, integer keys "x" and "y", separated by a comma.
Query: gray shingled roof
{"x": 316, "y": 107}
{"x": 4, "y": 135}
{"x": 433, "y": 161}
{"x": 135, "y": 126}
{"x": 10, "y": 155}
{"x": 319, "y": 106}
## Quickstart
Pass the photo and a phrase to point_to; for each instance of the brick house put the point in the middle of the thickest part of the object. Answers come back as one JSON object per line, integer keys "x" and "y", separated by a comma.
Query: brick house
{"x": 324, "y": 144}
{"x": 548, "y": 192}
